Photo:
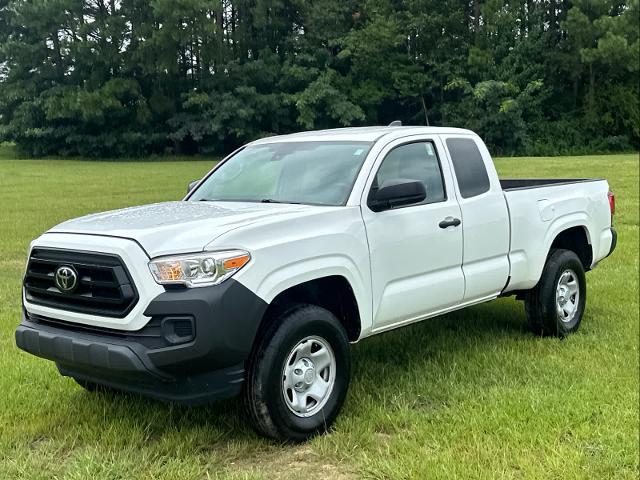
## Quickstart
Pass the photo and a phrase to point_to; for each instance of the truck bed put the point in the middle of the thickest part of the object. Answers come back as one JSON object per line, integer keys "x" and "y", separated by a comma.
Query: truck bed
{"x": 539, "y": 209}
{"x": 522, "y": 183}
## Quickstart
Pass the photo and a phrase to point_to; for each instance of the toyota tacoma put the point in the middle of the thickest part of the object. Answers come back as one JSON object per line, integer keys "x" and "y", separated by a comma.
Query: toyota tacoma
{"x": 293, "y": 247}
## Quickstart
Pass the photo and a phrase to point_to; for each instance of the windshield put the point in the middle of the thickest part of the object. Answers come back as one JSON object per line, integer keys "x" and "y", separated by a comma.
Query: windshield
{"x": 317, "y": 173}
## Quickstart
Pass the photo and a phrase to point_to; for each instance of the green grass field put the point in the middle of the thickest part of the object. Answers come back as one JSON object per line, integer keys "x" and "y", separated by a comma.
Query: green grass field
{"x": 469, "y": 395}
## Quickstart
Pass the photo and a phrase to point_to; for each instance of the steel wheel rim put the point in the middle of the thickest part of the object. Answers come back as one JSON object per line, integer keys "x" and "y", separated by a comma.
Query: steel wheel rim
{"x": 567, "y": 295}
{"x": 308, "y": 376}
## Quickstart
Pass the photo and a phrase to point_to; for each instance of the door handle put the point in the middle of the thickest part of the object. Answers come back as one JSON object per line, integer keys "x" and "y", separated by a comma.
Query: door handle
{"x": 449, "y": 222}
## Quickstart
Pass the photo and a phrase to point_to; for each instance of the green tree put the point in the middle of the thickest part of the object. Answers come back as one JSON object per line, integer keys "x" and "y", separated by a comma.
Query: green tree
{"x": 134, "y": 77}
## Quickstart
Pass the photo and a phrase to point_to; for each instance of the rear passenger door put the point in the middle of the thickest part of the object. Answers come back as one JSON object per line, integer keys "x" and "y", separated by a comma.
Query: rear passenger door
{"x": 485, "y": 217}
{"x": 416, "y": 264}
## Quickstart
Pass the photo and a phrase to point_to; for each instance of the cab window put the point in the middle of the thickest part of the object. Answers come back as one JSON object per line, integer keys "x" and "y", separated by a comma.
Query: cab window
{"x": 413, "y": 161}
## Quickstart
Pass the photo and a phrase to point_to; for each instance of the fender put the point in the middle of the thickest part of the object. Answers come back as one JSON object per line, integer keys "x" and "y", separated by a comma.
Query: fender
{"x": 325, "y": 241}
{"x": 287, "y": 276}
{"x": 559, "y": 225}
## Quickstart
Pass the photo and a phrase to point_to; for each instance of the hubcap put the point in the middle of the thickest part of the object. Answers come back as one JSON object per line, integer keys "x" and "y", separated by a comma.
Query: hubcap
{"x": 567, "y": 295}
{"x": 308, "y": 376}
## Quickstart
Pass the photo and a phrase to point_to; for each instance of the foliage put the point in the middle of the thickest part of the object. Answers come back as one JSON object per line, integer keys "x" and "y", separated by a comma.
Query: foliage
{"x": 133, "y": 77}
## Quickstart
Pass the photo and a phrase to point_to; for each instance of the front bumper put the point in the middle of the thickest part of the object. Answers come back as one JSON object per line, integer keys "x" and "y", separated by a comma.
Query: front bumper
{"x": 205, "y": 364}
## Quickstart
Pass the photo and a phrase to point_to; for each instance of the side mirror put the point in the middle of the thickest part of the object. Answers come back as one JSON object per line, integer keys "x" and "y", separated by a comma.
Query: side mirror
{"x": 192, "y": 184}
{"x": 396, "y": 193}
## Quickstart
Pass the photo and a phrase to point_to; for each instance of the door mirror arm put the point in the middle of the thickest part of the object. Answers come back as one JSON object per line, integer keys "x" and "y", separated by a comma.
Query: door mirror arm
{"x": 192, "y": 185}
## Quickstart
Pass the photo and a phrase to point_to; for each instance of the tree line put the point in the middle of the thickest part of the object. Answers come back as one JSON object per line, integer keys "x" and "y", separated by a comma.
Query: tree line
{"x": 135, "y": 77}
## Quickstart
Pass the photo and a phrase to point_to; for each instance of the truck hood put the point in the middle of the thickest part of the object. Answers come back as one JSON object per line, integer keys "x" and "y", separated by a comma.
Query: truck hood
{"x": 177, "y": 227}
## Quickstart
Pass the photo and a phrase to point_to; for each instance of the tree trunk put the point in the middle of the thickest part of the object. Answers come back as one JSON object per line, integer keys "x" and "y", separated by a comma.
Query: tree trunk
{"x": 530, "y": 19}
{"x": 476, "y": 22}
{"x": 57, "y": 55}
{"x": 592, "y": 87}
{"x": 424, "y": 109}
{"x": 553, "y": 21}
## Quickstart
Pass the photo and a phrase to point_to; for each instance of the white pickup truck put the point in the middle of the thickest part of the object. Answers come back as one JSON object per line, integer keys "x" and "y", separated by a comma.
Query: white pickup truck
{"x": 292, "y": 247}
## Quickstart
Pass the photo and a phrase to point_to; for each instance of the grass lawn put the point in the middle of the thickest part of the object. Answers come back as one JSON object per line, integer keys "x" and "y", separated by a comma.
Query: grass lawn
{"x": 469, "y": 395}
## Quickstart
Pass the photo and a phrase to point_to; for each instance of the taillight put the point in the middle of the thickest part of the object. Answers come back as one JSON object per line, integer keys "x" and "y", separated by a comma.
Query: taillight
{"x": 612, "y": 204}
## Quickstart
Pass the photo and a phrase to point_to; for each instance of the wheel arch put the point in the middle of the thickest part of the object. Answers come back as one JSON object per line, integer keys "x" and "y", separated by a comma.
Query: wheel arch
{"x": 332, "y": 292}
{"x": 578, "y": 240}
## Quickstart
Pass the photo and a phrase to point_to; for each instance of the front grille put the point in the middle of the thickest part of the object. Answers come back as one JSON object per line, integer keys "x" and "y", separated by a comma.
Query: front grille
{"x": 104, "y": 286}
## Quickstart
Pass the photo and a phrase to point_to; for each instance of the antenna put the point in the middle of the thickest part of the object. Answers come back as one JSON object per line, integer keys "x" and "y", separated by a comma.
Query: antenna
{"x": 396, "y": 123}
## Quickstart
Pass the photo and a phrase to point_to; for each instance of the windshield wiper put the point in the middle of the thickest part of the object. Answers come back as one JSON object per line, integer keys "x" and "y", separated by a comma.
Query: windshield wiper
{"x": 263, "y": 200}
{"x": 271, "y": 200}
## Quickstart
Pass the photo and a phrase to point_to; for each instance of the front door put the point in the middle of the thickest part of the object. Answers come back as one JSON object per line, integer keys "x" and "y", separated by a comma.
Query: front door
{"x": 416, "y": 250}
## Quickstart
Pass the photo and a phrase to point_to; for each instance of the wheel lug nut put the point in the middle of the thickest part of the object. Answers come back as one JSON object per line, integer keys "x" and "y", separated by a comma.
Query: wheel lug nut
{"x": 297, "y": 371}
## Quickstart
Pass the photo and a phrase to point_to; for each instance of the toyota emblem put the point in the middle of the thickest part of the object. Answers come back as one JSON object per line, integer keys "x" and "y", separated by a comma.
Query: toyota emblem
{"x": 66, "y": 278}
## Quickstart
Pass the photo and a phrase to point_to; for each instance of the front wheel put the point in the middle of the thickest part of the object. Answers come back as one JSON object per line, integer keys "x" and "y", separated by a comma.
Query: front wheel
{"x": 299, "y": 374}
{"x": 556, "y": 304}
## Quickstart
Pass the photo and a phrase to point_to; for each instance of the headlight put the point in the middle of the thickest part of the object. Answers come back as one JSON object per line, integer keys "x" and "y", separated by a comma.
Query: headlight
{"x": 199, "y": 269}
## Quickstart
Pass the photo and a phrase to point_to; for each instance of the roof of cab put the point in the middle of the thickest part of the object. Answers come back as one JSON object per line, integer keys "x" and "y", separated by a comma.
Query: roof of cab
{"x": 362, "y": 134}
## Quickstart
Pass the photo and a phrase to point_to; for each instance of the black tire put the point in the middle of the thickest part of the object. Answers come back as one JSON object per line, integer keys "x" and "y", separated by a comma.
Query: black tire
{"x": 264, "y": 397}
{"x": 540, "y": 302}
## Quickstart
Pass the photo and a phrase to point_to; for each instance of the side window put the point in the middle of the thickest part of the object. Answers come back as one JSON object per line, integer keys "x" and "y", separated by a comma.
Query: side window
{"x": 413, "y": 161}
{"x": 469, "y": 167}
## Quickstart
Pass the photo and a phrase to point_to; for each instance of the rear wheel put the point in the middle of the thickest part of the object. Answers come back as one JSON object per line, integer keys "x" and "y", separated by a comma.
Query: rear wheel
{"x": 299, "y": 374}
{"x": 556, "y": 304}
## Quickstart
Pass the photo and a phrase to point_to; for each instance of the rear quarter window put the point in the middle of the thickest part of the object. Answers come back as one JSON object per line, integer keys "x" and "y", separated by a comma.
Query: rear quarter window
{"x": 469, "y": 167}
